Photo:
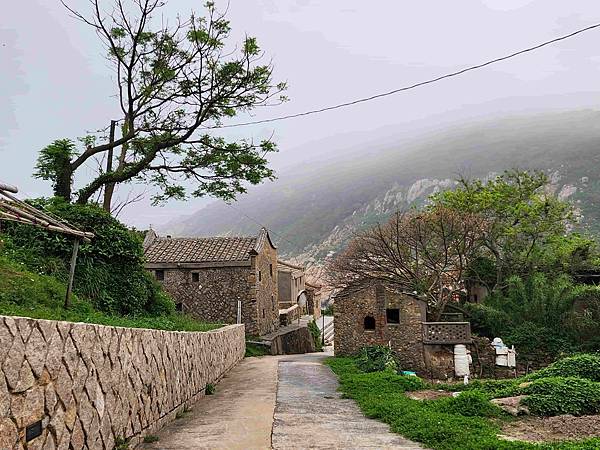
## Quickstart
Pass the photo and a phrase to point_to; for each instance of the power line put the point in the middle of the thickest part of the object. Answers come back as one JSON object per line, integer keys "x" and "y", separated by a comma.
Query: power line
{"x": 412, "y": 86}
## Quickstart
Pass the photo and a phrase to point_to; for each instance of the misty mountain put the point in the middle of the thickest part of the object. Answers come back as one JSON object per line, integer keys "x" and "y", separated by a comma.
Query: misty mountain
{"x": 313, "y": 208}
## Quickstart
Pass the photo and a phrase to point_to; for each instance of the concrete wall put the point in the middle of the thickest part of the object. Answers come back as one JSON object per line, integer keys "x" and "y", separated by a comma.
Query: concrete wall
{"x": 91, "y": 385}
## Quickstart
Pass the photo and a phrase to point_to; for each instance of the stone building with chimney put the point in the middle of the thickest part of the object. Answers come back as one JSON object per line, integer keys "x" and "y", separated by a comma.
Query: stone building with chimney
{"x": 209, "y": 277}
{"x": 372, "y": 313}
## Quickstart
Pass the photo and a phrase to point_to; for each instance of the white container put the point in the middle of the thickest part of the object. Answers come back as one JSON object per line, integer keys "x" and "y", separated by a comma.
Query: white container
{"x": 461, "y": 360}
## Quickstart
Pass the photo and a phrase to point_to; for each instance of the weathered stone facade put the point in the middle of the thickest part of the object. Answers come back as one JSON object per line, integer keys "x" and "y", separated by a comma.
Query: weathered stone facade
{"x": 207, "y": 277}
{"x": 360, "y": 316}
{"x": 313, "y": 297}
{"x": 91, "y": 386}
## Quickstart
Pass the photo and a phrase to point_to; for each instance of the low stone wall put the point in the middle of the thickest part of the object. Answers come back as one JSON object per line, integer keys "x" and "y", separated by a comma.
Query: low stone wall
{"x": 93, "y": 386}
{"x": 289, "y": 315}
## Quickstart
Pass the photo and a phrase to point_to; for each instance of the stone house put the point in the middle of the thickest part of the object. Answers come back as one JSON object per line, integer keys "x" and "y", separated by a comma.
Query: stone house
{"x": 374, "y": 314}
{"x": 290, "y": 279}
{"x": 209, "y": 277}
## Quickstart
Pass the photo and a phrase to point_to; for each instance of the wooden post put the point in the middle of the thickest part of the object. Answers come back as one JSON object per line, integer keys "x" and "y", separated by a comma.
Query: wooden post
{"x": 72, "y": 272}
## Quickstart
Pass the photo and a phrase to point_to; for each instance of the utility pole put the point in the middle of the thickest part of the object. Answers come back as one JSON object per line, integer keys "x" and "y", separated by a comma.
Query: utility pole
{"x": 110, "y": 187}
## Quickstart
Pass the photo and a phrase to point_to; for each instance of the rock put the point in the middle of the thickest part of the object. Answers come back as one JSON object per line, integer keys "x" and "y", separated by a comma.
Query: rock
{"x": 8, "y": 433}
{"x": 525, "y": 384}
{"x": 28, "y": 408}
{"x": 512, "y": 405}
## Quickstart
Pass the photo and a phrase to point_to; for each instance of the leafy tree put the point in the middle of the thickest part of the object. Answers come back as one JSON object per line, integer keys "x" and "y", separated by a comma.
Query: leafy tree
{"x": 522, "y": 219}
{"x": 173, "y": 84}
{"x": 54, "y": 164}
{"x": 427, "y": 252}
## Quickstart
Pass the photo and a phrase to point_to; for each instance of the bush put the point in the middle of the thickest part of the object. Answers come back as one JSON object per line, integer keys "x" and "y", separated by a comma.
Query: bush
{"x": 535, "y": 342}
{"x": 563, "y": 395}
{"x": 581, "y": 366}
{"x": 315, "y": 332}
{"x": 469, "y": 404}
{"x": 376, "y": 359}
{"x": 110, "y": 269}
{"x": 487, "y": 321}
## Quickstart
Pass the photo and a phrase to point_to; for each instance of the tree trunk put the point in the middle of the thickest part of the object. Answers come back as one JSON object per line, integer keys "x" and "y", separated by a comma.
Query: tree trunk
{"x": 109, "y": 189}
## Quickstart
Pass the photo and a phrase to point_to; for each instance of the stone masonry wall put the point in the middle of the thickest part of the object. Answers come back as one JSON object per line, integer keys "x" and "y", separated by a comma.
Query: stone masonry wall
{"x": 92, "y": 386}
{"x": 266, "y": 291}
{"x": 406, "y": 337}
{"x": 213, "y": 298}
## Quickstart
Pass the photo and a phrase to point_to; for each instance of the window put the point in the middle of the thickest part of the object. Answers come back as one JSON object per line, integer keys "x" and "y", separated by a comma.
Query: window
{"x": 271, "y": 270}
{"x": 159, "y": 275}
{"x": 263, "y": 313}
{"x": 195, "y": 277}
{"x": 259, "y": 275}
{"x": 179, "y": 307}
{"x": 392, "y": 315}
{"x": 369, "y": 323}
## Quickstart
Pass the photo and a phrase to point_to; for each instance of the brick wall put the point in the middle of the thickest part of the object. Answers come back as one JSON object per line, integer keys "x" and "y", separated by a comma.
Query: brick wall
{"x": 90, "y": 385}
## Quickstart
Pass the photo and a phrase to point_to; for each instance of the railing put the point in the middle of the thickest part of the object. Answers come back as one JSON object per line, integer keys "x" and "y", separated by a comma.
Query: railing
{"x": 446, "y": 332}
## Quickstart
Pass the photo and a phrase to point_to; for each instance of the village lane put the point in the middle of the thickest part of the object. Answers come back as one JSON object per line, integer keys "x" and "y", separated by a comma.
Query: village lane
{"x": 279, "y": 402}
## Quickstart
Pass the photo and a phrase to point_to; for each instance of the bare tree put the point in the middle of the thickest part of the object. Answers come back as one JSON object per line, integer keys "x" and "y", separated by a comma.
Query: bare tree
{"x": 173, "y": 84}
{"x": 423, "y": 252}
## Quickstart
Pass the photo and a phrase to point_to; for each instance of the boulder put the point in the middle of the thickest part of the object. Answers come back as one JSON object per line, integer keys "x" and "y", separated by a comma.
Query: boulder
{"x": 512, "y": 405}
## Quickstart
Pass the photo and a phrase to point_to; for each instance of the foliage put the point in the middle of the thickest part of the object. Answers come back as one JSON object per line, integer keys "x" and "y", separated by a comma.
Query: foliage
{"x": 563, "y": 395}
{"x": 175, "y": 79}
{"x": 315, "y": 333}
{"x": 53, "y": 164}
{"x": 328, "y": 311}
{"x": 376, "y": 358}
{"x": 30, "y": 294}
{"x": 468, "y": 403}
{"x": 538, "y": 343}
{"x": 582, "y": 366}
{"x": 256, "y": 350}
{"x": 521, "y": 219}
{"x": 150, "y": 438}
{"x": 110, "y": 269}
{"x": 487, "y": 321}
{"x": 209, "y": 389}
{"x": 380, "y": 395}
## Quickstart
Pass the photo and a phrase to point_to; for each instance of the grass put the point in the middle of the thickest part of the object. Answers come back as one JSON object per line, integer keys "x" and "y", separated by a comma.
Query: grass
{"x": 150, "y": 438}
{"x": 445, "y": 424}
{"x": 28, "y": 294}
{"x": 253, "y": 350}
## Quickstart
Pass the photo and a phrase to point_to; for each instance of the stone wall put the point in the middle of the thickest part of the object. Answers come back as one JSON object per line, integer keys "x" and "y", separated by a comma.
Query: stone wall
{"x": 405, "y": 337}
{"x": 92, "y": 386}
{"x": 214, "y": 297}
{"x": 266, "y": 291}
{"x": 289, "y": 315}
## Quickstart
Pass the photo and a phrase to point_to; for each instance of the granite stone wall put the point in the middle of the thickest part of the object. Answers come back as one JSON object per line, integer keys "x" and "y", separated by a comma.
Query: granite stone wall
{"x": 214, "y": 296}
{"x": 91, "y": 386}
{"x": 266, "y": 290}
{"x": 405, "y": 337}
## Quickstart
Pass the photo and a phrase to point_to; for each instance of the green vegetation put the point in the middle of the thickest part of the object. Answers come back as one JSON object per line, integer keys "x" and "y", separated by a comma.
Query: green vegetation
{"x": 328, "y": 311}
{"x": 150, "y": 438}
{"x": 253, "y": 350}
{"x": 209, "y": 389}
{"x": 111, "y": 285}
{"x": 467, "y": 422}
{"x": 377, "y": 358}
{"x": 315, "y": 332}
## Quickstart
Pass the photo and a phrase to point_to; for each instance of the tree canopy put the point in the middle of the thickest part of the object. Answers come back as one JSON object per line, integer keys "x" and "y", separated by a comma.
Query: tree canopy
{"x": 174, "y": 84}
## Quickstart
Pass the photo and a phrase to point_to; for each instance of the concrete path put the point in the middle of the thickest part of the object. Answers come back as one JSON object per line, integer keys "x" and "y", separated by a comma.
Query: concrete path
{"x": 278, "y": 402}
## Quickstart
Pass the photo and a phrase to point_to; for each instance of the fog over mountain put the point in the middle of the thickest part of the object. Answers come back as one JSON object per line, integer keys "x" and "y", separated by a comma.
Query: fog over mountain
{"x": 313, "y": 208}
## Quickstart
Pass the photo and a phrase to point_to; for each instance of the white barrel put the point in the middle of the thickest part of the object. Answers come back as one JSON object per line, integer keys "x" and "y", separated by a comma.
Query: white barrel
{"x": 461, "y": 360}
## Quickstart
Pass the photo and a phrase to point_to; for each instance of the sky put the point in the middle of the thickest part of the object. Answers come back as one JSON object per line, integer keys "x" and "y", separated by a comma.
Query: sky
{"x": 55, "y": 82}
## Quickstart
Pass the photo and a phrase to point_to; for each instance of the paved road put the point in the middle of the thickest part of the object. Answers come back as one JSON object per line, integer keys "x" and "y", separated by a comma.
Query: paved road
{"x": 278, "y": 402}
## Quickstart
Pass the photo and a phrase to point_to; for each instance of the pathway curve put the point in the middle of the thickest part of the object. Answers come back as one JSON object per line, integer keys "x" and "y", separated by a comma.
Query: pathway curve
{"x": 278, "y": 402}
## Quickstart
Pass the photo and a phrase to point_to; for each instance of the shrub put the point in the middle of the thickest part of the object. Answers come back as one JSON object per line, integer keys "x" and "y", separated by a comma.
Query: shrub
{"x": 534, "y": 341}
{"x": 469, "y": 404}
{"x": 110, "y": 269}
{"x": 581, "y": 366}
{"x": 487, "y": 321}
{"x": 209, "y": 389}
{"x": 563, "y": 395}
{"x": 315, "y": 332}
{"x": 376, "y": 358}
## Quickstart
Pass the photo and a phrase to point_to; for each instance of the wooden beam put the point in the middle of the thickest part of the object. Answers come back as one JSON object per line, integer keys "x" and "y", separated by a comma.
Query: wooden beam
{"x": 72, "y": 272}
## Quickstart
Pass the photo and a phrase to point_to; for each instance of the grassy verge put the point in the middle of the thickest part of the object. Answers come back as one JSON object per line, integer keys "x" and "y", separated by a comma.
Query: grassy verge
{"x": 445, "y": 424}
{"x": 28, "y": 294}
{"x": 253, "y": 350}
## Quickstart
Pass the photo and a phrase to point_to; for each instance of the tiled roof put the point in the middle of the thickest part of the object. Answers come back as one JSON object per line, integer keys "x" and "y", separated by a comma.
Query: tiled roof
{"x": 190, "y": 250}
{"x": 204, "y": 249}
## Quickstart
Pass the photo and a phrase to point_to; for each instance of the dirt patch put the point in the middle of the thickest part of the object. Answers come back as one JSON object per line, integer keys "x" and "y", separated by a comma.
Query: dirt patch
{"x": 558, "y": 428}
{"x": 428, "y": 394}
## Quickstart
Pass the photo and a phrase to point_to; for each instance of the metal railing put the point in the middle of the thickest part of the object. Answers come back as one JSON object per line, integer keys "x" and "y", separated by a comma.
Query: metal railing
{"x": 446, "y": 332}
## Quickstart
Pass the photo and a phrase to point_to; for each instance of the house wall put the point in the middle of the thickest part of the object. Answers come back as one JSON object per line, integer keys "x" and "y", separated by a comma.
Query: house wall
{"x": 91, "y": 385}
{"x": 313, "y": 296}
{"x": 406, "y": 338}
{"x": 215, "y": 296}
{"x": 284, "y": 283}
{"x": 265, "y": 291}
